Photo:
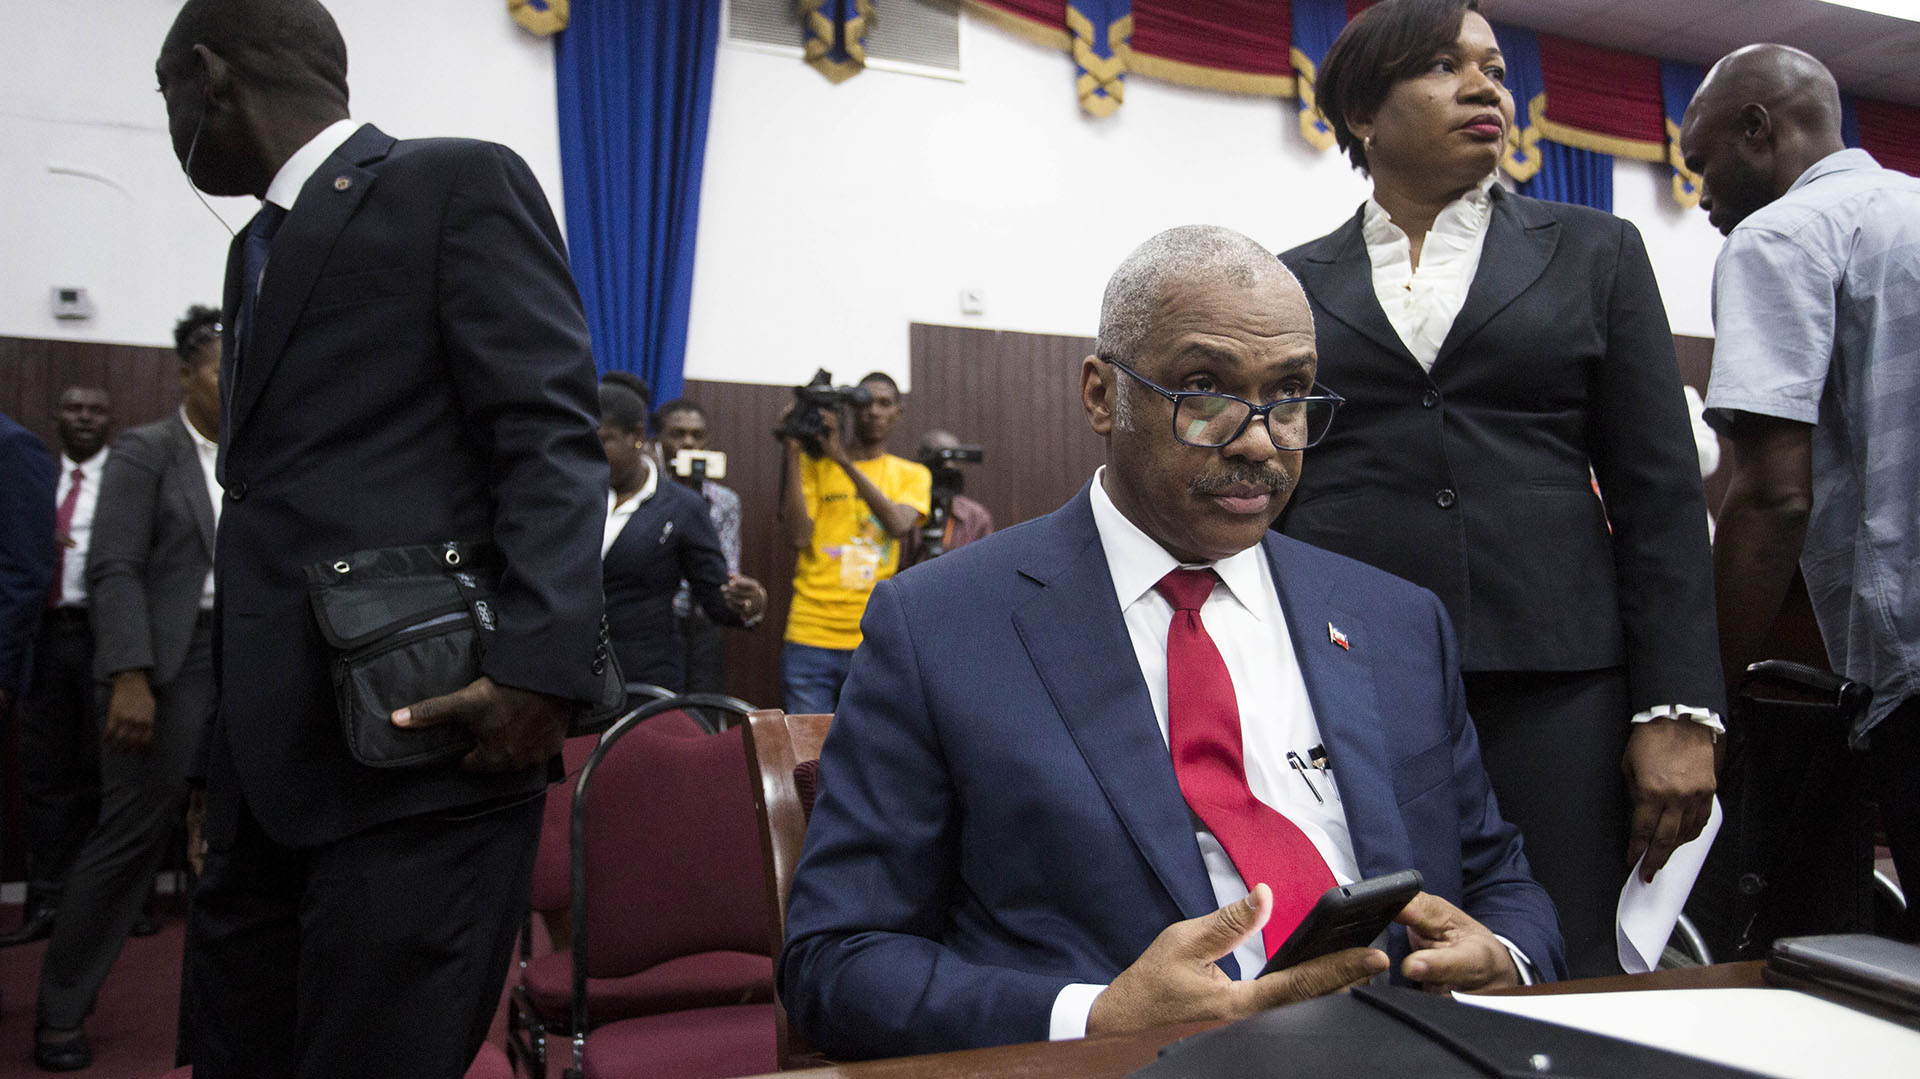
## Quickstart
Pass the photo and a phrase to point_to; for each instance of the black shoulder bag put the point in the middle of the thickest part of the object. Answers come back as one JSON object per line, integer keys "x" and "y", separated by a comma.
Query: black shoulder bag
{"x": 408, "y": 623}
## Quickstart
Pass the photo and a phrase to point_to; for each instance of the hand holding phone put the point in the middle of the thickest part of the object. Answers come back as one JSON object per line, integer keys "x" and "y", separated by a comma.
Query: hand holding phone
{"x": 1347, "y": 916}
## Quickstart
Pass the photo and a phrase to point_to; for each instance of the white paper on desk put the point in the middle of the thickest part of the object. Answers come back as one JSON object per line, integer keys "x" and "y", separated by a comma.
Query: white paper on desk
{"x": 1644, "y": 919}
{"x": 1774, "y": 1032}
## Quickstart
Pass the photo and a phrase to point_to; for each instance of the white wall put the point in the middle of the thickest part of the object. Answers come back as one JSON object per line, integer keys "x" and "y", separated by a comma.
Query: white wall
{"x": 79, "y": 99}
{"x": 832, "y": 216}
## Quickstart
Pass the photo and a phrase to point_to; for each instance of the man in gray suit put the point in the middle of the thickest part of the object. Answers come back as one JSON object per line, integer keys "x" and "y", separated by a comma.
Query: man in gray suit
{"x": 150, "y": 577}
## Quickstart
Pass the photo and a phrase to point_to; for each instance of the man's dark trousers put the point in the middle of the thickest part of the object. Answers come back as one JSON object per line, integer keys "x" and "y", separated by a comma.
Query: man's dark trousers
{"x": 370, "y": 902}
{"x": 59, "y": 752}
{"x": 143, "y": 795}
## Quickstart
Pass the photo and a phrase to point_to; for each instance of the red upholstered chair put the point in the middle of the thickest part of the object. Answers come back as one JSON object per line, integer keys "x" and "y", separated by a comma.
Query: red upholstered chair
{"x": 666, "y": 870}
{"x": 783, "y": 760}
{"x": 542, "y": 997}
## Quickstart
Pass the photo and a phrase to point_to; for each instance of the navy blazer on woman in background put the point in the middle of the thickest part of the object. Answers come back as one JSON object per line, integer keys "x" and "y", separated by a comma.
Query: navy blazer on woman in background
{"x": 669, "y": 539}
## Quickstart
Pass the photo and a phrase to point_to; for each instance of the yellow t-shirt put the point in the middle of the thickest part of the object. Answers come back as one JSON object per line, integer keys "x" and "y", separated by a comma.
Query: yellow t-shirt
{"x": 851, "y": 551}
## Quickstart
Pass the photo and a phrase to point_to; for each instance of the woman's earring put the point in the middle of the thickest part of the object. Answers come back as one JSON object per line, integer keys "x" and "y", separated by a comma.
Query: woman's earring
{"x": 1367, "y": 141}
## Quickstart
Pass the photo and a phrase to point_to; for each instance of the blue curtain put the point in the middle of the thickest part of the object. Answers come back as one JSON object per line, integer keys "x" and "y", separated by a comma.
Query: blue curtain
{"x": 635, "y": 82}
{"x": 1544, "y": 169}
{"x": 1582, "y": 177}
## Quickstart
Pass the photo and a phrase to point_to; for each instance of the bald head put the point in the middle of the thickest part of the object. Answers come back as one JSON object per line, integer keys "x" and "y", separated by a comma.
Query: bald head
{"x": 1764, "y": 115}
{"x": 1791, "y": 85}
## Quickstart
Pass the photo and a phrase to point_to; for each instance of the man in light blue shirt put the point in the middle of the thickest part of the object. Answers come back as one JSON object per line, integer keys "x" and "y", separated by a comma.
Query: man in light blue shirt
{"x": 1816, "y": 379}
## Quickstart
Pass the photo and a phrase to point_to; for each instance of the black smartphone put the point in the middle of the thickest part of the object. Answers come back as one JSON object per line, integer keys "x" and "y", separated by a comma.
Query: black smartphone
{"x": 1347, "y": 916}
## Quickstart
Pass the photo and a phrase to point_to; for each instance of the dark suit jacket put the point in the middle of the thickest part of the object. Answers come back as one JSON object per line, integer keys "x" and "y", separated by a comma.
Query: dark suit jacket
{"x": 419, "y": 370}
{"x": 151, "y": 549}
{"x": 998, "y": 814}
{"x": 26, "y": 549}
{"x": 669, "y": 538}
{"x": 1473, "y": 480}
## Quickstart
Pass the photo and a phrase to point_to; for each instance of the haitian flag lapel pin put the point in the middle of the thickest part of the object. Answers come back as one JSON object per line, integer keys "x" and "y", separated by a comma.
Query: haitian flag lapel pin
{"x": 1339, "y": 638}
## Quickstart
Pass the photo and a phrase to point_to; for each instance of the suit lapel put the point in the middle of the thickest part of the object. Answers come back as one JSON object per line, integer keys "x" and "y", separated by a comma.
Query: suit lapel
{"x": 1079, "y": 646}
{"x": 1340, "y": 686}
{"x": 1338, "y": 274}
{"x": 187, "y": 472}
{"x": 1522, "y": 240}
{"x": 642, "y": 527}
{"x": 326, "y": 203}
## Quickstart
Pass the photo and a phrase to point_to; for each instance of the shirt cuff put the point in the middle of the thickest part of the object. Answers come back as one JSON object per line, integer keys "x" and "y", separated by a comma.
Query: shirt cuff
{"x": 1520, "y": 963}
{"x": 1692, "y": 713}
{"x": 1070, "y": 1011}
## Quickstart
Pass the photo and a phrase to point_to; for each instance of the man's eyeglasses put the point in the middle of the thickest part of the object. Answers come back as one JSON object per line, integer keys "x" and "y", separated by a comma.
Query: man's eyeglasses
{"x": 1212, "y": 420}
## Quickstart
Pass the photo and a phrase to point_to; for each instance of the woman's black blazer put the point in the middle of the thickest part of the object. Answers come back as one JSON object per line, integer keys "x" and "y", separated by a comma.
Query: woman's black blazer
{"x": 1473, "y": 481}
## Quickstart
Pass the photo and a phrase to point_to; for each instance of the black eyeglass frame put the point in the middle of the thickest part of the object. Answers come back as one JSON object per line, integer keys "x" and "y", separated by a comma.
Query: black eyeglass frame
{"x": 1325, "y": 396}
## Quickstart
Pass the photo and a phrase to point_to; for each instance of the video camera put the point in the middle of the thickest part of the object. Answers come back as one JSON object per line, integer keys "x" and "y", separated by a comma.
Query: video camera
{"x": 947, "y": 482}
{"x": 806, "y": 424}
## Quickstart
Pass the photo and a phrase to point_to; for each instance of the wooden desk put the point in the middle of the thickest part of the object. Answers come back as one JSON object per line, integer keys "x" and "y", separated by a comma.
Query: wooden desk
{"x": 1115, "y": 1055}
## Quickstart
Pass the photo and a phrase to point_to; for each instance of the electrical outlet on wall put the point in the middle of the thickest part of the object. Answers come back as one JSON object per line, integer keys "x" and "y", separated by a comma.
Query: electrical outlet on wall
{"x": 973, "y": 301}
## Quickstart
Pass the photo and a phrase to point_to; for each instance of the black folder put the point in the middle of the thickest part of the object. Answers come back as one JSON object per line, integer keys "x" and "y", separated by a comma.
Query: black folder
{"x": 1393, "y": 1030}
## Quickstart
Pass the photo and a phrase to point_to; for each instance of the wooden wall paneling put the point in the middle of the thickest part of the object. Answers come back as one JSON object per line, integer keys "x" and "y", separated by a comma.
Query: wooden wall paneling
{"x": 740, "y": 419}
{"x": 142, "y": 381}
{"x": 1017, "y": 396}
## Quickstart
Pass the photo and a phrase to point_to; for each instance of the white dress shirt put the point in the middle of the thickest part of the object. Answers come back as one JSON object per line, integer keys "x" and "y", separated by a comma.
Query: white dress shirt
{"x": 300, "y": 167}
{"x": 620, "y": 512}
{"x": 73, "y": 567}
{"x": 209, "y": 452}
{"x": 1422, "y": 302}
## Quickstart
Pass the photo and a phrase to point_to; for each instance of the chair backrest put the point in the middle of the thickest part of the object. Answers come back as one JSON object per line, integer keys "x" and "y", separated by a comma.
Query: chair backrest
{"x": 783, "y": 755}
{"x": 551, "y": 883}
{"x": 672, "y": 858}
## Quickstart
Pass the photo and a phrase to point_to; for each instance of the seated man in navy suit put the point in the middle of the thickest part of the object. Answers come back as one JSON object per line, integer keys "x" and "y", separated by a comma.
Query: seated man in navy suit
{"x": 1067, "y": 790}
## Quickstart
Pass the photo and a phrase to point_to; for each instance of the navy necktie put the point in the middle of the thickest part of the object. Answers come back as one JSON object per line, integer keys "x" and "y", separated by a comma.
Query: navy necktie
{"x": 253, "y": 265}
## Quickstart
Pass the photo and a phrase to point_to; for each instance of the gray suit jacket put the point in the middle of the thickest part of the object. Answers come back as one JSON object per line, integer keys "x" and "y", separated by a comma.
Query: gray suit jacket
{"x": 151, "y": 549}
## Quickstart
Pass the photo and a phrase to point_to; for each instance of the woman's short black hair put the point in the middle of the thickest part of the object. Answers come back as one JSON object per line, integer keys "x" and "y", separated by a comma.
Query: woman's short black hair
{"x": 198, "y": 326}
{"x": 1390, "y": 41}
{"x": 622, "y": 408}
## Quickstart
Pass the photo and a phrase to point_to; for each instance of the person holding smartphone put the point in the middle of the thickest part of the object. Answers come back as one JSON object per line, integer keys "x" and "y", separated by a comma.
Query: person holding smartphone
{"x": 1087, "y": 774}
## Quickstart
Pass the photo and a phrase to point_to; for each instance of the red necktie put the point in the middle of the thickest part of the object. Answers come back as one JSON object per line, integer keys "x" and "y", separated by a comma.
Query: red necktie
{"x": 62, "y": 524}
{"x": 1203, "y": 731}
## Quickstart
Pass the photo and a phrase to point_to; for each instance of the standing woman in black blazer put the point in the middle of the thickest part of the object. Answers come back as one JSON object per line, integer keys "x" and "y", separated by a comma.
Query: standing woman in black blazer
{"x": 658, "y": 534}
{"x": 1498, "y": 355}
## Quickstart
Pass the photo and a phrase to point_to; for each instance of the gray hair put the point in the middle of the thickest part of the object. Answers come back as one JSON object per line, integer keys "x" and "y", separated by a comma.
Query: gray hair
{"x": 1190, "y": 253}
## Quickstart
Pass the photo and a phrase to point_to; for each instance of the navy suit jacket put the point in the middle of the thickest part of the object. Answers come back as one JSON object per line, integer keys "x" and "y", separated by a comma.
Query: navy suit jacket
{"x": 419, "y": 371}
{"x": 998, "y": 813}
{"x": 1473, "y": 479}
{"x": 26, "y": 549}
{"x": 669, "y": 539}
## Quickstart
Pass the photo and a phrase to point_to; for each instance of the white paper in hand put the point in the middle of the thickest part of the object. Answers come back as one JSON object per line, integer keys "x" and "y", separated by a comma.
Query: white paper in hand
{"x": 1647, "y": 912}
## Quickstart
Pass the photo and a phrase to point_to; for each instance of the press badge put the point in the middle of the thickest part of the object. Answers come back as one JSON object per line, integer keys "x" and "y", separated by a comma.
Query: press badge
{"x": 859, "y": 565}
